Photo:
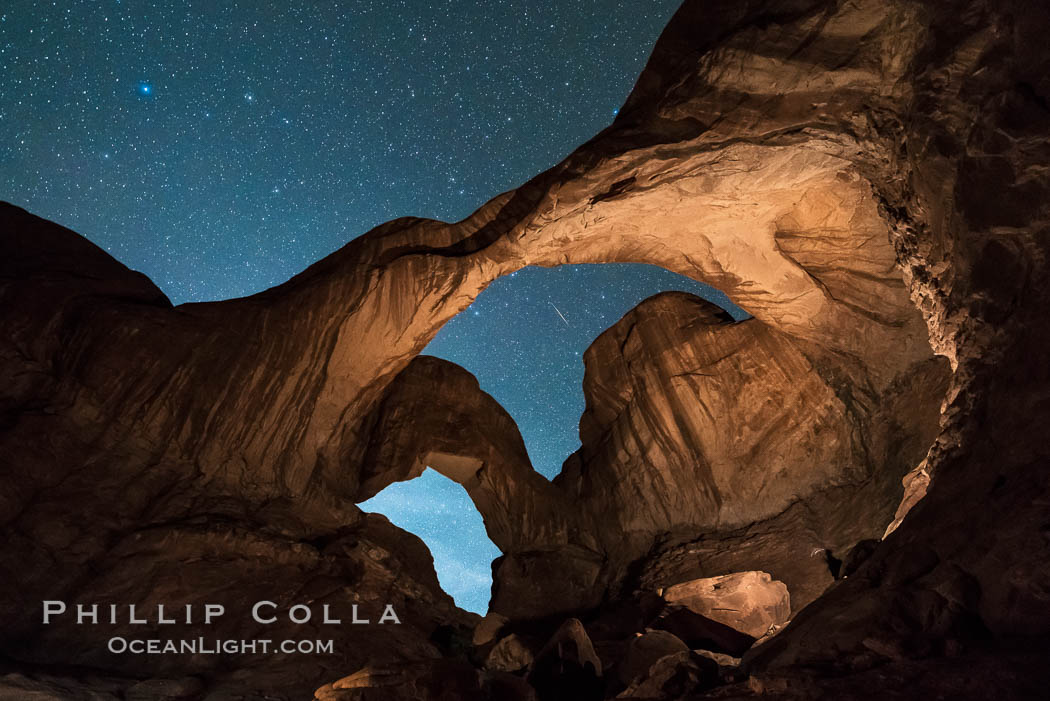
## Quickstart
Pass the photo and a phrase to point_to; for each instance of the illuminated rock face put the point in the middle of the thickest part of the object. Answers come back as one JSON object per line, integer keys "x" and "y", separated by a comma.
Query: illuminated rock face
{"x": 717, "y": 426}
{"x": 867, "y": 179}
{"x": 695, "y": 424}
{"x": 750, "y": 602}
{"x": 711, "y": 423}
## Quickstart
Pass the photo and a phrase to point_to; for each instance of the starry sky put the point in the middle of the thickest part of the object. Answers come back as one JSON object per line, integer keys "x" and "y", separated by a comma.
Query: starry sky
{"x": 221, "y": 147}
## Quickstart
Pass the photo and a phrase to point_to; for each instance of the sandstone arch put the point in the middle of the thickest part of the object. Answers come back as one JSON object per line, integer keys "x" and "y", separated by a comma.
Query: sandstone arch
{"x": 695, "y": 426}
{"x": 764, "y": 140}
{"x": 761, "y": 209}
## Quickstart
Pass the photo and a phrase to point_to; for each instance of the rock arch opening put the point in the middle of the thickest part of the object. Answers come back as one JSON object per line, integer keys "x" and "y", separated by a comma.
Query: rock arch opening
{"x": 707, "y": 446}
{"x": 437, "y": 509}
{"x": 524, "y": 339}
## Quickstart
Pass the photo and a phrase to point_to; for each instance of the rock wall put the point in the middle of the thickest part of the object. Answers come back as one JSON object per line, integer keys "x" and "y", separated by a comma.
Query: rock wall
{"x": 95, "y": 511}
{"x": 959, "y": 577}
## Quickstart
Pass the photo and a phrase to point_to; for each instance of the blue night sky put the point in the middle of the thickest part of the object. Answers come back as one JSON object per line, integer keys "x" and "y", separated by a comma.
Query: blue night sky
{"x": 220, "y": 148}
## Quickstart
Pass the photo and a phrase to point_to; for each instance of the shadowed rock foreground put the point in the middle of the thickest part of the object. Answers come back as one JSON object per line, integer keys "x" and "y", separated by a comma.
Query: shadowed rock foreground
{"x": 859, "y": 468}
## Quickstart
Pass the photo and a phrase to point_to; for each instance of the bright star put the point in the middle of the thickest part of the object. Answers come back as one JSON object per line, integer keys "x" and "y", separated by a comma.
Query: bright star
{"x": 145, "y": 88}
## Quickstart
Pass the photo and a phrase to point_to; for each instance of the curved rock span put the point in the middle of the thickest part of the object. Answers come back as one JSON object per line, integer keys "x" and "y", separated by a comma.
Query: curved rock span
{"x": 695, "y": 424}
{"x": 867, "y": 179}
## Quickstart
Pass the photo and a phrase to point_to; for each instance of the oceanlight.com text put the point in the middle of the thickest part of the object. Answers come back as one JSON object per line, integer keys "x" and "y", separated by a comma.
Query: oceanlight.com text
{"x": 214, "y": 646}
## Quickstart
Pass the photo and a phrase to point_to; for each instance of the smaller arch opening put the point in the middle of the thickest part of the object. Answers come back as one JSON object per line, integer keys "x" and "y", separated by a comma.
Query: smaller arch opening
{"x": 439, "y": 511}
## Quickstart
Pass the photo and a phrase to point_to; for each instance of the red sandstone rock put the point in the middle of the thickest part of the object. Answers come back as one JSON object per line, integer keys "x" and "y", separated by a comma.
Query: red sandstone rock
{"x": 567, "y": 666}
{"x": 510, "y": 654}
{"x": 644, "y": 650}
{"x": 867, "y": 178}
{"x": 750, "y": 602}
{"x": 674, "y": 676}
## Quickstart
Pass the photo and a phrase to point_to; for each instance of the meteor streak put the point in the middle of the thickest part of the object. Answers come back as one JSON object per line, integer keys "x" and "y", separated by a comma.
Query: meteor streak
{"x": 560, "y": 314}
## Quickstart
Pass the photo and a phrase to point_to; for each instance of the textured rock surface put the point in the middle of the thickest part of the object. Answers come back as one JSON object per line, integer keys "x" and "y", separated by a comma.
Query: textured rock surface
{"x": 866, "y": 178}
{"x": 696, "y": 416}
{"x": 511, "y": 654}
{"x": 437, "y": 679}
{"x": 644, "y": 650}
{"x": 722, "y": 428}
{"x": 750, "y": 602}
{"x": 488, "y": 629}
{"x": 673, "y": 676}
{"x": 700, "y": 632}
{"x": 567, "y": 667}
{"x": 96, "y": 511}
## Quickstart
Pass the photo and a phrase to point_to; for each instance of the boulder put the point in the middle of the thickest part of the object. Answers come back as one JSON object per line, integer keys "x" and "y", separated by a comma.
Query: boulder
{"x": 510, "y": 654}
{"x": 750, "y": 602}
{"x": 436, "y": 680}
{"x": 674, "y": 676}
{"x": 644, "y": 650}
{"x": 567, "y": 667}
{"x": 488, "y": 628}
{"x": 701, "y": 632}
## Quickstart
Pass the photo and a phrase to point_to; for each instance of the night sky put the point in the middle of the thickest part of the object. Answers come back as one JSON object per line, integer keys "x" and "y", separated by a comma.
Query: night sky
{"x": 220, "y": 148}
